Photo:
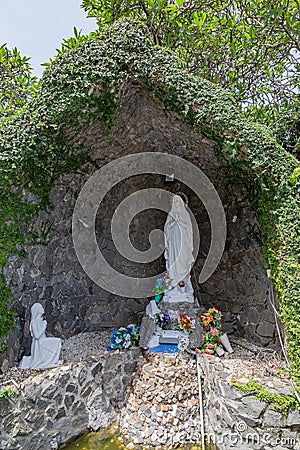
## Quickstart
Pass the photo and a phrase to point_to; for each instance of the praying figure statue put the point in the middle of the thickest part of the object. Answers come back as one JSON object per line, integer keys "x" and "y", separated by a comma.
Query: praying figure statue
{"x": 179, "y": 252}
{"x": 45, "y": 351}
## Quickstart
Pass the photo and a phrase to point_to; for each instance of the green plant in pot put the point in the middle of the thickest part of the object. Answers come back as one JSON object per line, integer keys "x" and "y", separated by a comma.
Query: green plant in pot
{"x": 161, "y": 285}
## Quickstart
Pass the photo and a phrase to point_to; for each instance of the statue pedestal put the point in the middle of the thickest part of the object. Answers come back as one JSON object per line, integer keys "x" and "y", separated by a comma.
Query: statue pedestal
{"x": 151, "y": 336}
{"x": 176, "y": 296}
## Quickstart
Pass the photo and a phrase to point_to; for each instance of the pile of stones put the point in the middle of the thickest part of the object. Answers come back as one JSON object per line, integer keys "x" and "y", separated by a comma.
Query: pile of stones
{"x": 163, "y": 409}
{"x": 83, "y": 345}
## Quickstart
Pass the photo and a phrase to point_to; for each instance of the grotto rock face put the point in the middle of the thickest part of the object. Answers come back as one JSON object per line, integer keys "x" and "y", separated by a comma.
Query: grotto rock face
{"x": 58, "y": 405}
{"x": 52, "y": 275}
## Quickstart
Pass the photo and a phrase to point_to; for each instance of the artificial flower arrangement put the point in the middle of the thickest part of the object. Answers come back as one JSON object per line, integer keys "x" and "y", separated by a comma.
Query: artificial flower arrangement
{"x": 161, "y": 320}
{"x": 211, "y": 322}
{"x": 124, "y": 337}
{"x": 162, "y": 284}
{"x": 186, "y": 323}
{"x": 211, "y": 318}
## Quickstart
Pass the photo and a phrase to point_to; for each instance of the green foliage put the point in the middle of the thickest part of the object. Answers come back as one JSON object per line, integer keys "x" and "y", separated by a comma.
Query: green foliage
{"x": 251, "y": 47}
{"x": 81, "y": 86}
{"x": 281, "y": 402}
{"x": 296, "y": 174}
{"x": 7, "y": 316}
{"x": 7, "y": 393}
{"x": 17, "y": 84}
{"x": 16, "y": 212}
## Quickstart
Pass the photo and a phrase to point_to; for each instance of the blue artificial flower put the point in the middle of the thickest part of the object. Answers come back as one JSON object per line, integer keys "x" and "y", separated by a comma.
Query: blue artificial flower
{"x": 124, "y": 337}
{"x": 109, "y": 349}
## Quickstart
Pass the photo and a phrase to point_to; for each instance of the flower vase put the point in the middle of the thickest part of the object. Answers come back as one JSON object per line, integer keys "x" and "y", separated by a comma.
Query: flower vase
{"x": 158, "y": 298}
{"x": 225, "y": 342}
{"x": 220, "y": 351}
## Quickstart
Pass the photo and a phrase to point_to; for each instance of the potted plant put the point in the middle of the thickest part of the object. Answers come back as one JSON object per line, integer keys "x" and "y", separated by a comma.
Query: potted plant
{"x": 161, "y": 285}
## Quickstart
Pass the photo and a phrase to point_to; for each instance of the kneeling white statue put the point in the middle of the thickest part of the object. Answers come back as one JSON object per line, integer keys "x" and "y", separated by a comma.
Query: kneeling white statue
{"x": 45, "y": 351}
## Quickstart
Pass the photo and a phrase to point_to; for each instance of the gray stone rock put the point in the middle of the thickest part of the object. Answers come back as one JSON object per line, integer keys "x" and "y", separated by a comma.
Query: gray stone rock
{"x": 285, "y": 391}
{"x": 5, "y": 407}
{"x": 267, "y": 315}
{"x": 252, "y": 407}
{"x": 266, "y": 329}
{"x": 49, "y": 390}
{"x": 273, "y": 418}
{"x": 86, "y": 391}
{"x": 196, "y": 337}
{"x": 148, "y": 328}
{"x": 230, "y": 391}
{"x": 69, "y": 400}
{"x": 290, "y": 439}
{"x": 5, "y": 366}
{"x": 293, "y": 418}
{"x": 60, "y": 413}
{"x": 253, "y": 316}
{"x": 278, "y": 447}
{"x": 78, "y": 407}
{"x": 72, "y": 388}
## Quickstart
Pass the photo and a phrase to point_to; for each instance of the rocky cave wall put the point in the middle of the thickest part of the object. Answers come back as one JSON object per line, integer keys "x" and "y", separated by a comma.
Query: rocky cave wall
{"x": 52, "y": 275}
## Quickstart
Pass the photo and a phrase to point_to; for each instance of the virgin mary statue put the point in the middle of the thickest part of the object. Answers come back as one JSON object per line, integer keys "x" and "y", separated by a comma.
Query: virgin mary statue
{"x": 179, "y": 252}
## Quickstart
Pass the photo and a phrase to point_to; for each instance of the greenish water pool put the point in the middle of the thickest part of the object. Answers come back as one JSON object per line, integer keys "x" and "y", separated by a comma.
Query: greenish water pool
{"x": 95, "y": 441}
{"x": 103, "y": 441}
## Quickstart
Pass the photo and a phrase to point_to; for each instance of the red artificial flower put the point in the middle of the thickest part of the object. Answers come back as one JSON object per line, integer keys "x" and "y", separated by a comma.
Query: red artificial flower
{"x": 208, "y": 351}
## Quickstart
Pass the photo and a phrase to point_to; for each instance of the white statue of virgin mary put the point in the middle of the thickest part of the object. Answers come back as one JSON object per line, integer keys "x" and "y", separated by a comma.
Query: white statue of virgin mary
{"x": 45, "y": 351}
{"x": 179, "y": 252}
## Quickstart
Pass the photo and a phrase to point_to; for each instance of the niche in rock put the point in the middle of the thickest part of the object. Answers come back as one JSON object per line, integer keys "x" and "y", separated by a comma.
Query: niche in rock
{"x": 73, "y": 303}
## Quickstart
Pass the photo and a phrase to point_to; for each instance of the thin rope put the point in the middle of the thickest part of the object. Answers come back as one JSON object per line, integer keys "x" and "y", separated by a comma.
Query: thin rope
{"x": 199, "y": 372}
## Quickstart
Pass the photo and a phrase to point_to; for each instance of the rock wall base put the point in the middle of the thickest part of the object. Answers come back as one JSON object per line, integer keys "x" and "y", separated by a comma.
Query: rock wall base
{"x": 58, "y": 405}
{"x": 237, "y": 420}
